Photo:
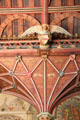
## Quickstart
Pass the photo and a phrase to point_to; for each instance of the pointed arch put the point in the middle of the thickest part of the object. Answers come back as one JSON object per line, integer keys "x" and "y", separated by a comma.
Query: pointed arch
{"x": 10, "y": 18}
{"x": 60, "y": 17}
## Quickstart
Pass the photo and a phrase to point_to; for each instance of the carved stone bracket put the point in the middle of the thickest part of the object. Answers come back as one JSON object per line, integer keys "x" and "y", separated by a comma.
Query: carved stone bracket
{"x": 45, "y": 116}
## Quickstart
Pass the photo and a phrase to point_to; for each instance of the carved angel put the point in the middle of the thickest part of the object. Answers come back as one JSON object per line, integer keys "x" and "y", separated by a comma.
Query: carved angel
{"x": 44, "y": 33}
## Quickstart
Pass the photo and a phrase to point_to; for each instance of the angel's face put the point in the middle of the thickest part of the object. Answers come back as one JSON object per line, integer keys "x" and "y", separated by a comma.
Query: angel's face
{"x": 45, "y": 27}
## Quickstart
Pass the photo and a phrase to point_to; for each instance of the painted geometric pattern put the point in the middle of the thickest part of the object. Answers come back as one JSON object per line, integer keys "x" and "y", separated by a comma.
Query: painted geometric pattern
{"x": 70, "y": 109}
{"x": 38, "y": 80}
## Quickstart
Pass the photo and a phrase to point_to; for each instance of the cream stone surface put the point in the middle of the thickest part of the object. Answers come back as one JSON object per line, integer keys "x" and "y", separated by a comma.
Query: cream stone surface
{"x": 15, "y": 108}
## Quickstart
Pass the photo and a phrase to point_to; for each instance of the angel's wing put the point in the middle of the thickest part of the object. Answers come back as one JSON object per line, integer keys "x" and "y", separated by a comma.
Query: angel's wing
{"x": 31, "y": 30}
{"x": 58, "y": 29}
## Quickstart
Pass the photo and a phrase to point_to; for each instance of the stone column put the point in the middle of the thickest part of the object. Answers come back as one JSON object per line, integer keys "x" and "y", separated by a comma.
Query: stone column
{"x": 31, "y": 5}
{"x": 57, "y": 3}
{"x": 19, "y": 3}
{"x": 20, "y": 26}
{"x": 8, "y": 2}
{"x": 71, "y": 2}
{"x": 45, "y": 116}
{"x": 44, "y": 4}
{"x": 70, "y": 24}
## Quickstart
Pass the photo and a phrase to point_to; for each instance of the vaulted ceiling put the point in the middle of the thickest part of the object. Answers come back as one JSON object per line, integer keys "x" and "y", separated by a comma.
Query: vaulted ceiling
{"x": 44, "y": 78}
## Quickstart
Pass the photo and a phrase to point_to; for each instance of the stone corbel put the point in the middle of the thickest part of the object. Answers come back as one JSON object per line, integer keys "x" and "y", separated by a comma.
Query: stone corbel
{"x": 45, "y": 116}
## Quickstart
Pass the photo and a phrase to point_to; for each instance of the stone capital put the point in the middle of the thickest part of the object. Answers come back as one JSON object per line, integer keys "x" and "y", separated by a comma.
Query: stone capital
{"x": 45, "y": 116}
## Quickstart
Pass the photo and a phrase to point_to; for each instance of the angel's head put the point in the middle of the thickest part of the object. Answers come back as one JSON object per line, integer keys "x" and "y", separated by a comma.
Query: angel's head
{"x": 45, "y": 27}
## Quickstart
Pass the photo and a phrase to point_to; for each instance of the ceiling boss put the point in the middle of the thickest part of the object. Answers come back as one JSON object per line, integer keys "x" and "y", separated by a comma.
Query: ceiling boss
{"x": 44, "y": 32}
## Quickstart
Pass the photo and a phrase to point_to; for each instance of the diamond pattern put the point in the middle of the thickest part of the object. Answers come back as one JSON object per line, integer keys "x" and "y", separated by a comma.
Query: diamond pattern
{"x": 40, "y": 83}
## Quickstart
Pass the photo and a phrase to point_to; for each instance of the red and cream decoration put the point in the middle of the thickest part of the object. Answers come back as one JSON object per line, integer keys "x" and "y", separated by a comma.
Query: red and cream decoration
{"x": 44, "y": 33}
{"x": 45, "y": 116}
{"x": 39, "y": 79}
{"x": 45, "y": 76}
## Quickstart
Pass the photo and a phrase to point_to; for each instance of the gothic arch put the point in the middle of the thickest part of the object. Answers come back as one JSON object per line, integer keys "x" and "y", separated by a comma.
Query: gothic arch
{"x": 58, "y": 19}
{"x": 10, "y": 18}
